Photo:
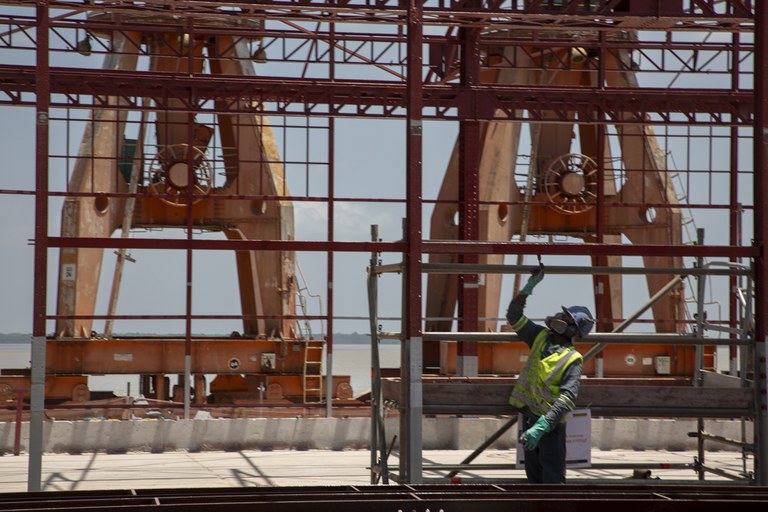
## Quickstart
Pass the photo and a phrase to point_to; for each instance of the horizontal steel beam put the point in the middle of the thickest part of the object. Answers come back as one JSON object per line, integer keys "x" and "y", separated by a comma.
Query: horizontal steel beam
{"x": 287, "y": 96}
{"x": 596, "y": 337}
{"x": 507, "y": 467}
{"x": 597, "y": 410}
{"x": 587, "y": 249}
{"x": 562, "y": 15}
{"x": 642, "y": 396}
{"x": 428, "y": 247}
{"x": 450, "y": 268}
{"x": 227, "y": 245}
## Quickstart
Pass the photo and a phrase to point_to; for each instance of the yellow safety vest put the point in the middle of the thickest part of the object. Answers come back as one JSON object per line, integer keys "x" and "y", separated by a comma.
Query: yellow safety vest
{"x": 538, "y": 385}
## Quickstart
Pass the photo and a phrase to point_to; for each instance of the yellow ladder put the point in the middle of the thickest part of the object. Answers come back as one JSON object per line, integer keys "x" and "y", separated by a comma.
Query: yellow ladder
{"x": 312, "y": 376}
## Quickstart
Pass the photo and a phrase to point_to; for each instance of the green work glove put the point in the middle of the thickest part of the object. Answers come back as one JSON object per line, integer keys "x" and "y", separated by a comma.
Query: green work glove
{"x": 532, "y": 436}
{"x": 535, "y": 279}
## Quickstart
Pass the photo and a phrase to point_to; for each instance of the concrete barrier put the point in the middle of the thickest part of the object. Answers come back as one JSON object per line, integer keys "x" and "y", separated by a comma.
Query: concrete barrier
{"x": 439, "y": 433}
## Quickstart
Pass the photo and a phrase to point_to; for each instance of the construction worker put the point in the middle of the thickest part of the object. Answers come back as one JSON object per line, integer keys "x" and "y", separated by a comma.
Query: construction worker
{"x": 548, "y": 385}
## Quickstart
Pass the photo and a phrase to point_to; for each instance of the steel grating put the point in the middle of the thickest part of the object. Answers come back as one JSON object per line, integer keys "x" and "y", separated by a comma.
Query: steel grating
{"x": 467, "y": 498}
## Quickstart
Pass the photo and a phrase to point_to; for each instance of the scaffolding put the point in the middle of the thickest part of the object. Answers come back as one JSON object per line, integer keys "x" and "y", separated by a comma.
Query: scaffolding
{"x": 353, "y": 103}
{"x": 706, "y": 394}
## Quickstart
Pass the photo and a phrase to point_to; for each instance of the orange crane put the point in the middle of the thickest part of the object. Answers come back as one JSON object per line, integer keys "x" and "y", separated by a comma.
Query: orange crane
{"x": 558, "y": 196}
{"x": 112, "y": 186}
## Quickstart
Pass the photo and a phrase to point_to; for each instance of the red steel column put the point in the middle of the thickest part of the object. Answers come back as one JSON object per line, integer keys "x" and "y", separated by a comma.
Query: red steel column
{"x": 761, "y": 226}
{"x": 37, "y": 392}
{"x": 735, "y": 210}
{"x": 190, "y": 237}
{"x": 330, "y": 263}
{"x": 411, "y": 353}
{"x": 331, "y": 233}
{"x": 601, "y": 282}
{"x": 469, "y": 168}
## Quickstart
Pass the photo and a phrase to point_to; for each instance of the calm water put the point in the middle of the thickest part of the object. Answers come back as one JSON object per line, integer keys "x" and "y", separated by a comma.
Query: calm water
{"x": 352, "y": 360}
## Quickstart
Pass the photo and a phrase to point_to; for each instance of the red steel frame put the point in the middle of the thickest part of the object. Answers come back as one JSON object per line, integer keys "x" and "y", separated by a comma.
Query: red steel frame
{"x": 411, "y": 97}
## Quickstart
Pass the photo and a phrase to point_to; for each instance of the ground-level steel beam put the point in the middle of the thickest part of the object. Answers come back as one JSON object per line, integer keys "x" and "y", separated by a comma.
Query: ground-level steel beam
{"x": 591, "y": 497}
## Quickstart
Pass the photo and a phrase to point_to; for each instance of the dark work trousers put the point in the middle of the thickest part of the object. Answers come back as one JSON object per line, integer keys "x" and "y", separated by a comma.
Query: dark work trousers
{"x": 545, "y": 464}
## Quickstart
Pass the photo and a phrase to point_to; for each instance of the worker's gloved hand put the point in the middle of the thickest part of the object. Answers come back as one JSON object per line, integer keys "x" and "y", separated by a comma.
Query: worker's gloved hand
{"x": 531, "y": 437}
{"x": 535, "y": 279}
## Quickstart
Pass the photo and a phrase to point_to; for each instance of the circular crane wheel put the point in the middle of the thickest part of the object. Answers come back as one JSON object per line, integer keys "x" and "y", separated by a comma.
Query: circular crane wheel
{"x": 570, "y": 182}
{"x": 169, "y": 174}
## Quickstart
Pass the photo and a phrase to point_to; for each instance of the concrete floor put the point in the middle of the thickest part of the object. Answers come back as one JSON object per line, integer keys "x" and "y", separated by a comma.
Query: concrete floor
{"x": 142, "y": 470}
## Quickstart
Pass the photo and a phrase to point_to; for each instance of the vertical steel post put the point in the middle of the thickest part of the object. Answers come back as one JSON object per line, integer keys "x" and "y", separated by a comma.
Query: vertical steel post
{"x": 746, "y": 324}
{"x": 378, "y": 435}
{"x": 17, "y": 431}
{"x": 735, "y": 211}
{"x": 187, "y": 322}
{"x": 37, "y": 392}
{"x": 190, "y": 223}
{"x": 188, "y": 310}
{"x": 331, "y": 235}
{"x": 761, "y": 225}
{"x": 701, "y": 282}
{"x": 601, "y": 215}
{"x": 411, "y": 354}
{"x": 329, "y": 324}
{"x": 373, "y": 314}
{"x": 469, "y": 194}
{"x": 602, "y": 283}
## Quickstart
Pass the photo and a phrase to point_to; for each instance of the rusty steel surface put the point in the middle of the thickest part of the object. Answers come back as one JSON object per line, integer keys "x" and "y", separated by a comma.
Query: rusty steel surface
{"x": 416, "y": 498}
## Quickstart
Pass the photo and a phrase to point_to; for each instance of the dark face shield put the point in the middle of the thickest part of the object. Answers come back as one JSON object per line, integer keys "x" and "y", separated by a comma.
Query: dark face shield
{"x": 557, "y": 323}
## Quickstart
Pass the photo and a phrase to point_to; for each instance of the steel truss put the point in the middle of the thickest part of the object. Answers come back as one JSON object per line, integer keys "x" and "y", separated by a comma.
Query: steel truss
{"x": 417, "y": 62}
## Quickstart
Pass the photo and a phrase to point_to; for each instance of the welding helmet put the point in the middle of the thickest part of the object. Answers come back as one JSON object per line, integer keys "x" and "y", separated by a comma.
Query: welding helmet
{"x": 571, "y": 322}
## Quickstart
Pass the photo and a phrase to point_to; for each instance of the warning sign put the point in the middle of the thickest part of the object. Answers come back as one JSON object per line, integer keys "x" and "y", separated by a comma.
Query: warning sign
{"x": 68, "y": 272}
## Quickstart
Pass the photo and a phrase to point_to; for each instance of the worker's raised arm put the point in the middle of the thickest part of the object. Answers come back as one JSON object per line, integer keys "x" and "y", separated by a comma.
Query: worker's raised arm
{"x": 526, "y": 329}
{"x": 536, "y": 276}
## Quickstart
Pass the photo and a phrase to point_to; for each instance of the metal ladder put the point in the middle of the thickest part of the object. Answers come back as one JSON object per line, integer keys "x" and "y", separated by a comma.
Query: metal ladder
{"x": 312, "y": 374}
{"x": 690, "y": 233}
{"x": 312, "y": 378}
{"x": 304, "y": 328}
